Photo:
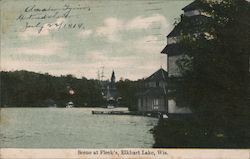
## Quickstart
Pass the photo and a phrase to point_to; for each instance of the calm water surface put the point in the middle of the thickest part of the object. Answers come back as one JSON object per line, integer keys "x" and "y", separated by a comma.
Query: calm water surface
{"x": 72, "y": 128}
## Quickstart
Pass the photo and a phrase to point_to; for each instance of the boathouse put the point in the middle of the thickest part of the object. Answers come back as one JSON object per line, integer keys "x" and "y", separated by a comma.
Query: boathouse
{"x": 154, "y": 96}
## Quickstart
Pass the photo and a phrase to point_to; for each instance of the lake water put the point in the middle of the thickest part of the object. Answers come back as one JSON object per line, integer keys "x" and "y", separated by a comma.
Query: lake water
{"x": 72, "y": 128}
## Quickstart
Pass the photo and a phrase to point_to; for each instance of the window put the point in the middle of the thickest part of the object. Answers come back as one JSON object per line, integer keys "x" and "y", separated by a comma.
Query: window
{"x": 163, "y": 84}
{"x": 155, "y": 108}
{"x": 152, "y": 84}
{"x": 139, "y": 102}
{"x": 173, "y": 40}
{"x": 192, "y": 13}
{"x": 157, "y": 84}
{"x": 156, "y": 102}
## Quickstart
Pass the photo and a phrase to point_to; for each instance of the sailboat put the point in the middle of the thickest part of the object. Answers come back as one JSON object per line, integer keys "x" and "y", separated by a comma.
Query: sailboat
{"x": 110, "y": 99}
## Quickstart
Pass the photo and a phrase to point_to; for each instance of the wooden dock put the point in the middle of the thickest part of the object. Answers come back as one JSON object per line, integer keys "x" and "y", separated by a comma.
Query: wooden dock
{"x": 113, "y": 112}
{"x": 126, "y": 113}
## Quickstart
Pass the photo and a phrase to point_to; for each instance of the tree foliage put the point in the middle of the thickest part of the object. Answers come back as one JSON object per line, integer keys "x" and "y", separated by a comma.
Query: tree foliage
{"x": 29, "y": 89}
{"x": 128, "y": 90}
{"x": 215, "y": 65}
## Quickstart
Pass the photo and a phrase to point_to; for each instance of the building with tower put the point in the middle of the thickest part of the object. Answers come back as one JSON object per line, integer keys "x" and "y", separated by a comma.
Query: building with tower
{"x": 192, "y": 15}
{"x": 198, "y": 18}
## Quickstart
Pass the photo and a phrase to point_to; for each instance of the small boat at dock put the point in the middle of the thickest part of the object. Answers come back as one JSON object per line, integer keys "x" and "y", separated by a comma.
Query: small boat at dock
{"x": 110, "y": 107}
{"x": 70, "y": 105}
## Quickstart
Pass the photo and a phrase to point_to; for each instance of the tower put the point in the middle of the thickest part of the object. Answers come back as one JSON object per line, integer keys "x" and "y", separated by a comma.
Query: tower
{"x": 193, "y": 14}
{"x": 113, "y": 76}
{"x": 112, "y": 91}
{"x": 112, "y": 80}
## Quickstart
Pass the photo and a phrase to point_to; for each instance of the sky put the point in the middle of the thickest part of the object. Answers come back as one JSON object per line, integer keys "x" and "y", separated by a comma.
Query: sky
{"x": 82, "y": 37}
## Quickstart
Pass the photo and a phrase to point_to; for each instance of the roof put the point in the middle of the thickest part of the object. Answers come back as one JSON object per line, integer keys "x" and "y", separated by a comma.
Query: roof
{"x": 186, "y": 22}
{"x": 159, "y": 75}
{"x": 172, "y": 50}
{"x": 176, "y": 31}
{"x": 192, "y": 6}
{"x": 154, "y": 92}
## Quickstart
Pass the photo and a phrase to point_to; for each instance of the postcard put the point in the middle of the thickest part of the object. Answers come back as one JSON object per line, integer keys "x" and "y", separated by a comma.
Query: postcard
{"x": 124, "y": 79}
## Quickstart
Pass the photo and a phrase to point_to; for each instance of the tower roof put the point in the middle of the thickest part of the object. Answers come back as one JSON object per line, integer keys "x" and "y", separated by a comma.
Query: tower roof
{"x": 113, "y": 75}
{"x": 172, "y": 50}
{"x": 192, "y": 6}
{"x": 196, "y": 21}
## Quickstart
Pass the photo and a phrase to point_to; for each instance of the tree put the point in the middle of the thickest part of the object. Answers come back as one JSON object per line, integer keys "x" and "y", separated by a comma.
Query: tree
{"x": 128, "y": 90}
{"x": 29, "y": 89}
{"x": 215, "y": 66}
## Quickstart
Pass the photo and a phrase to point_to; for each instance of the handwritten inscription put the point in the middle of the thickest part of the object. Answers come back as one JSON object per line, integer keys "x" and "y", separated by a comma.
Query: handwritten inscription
{"x": 39, "y": 18}
{"x": 55, "y": 25}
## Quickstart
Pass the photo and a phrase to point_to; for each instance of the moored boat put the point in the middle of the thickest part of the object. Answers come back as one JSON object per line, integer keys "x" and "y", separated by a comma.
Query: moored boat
{"x": 70, "y": 105}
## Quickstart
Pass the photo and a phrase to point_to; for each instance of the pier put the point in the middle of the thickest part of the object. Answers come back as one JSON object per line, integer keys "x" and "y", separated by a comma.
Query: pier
{"x": 136, "y": 113}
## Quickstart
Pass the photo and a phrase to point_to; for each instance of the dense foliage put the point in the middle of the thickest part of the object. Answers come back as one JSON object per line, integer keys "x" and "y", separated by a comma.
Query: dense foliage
{"x": 215, "y": 64}
{"x": 215, "y": 78}
{"x": 23, "y": 88}
{"x": 128, "y": 90}
{"x": 30, "y": 89}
